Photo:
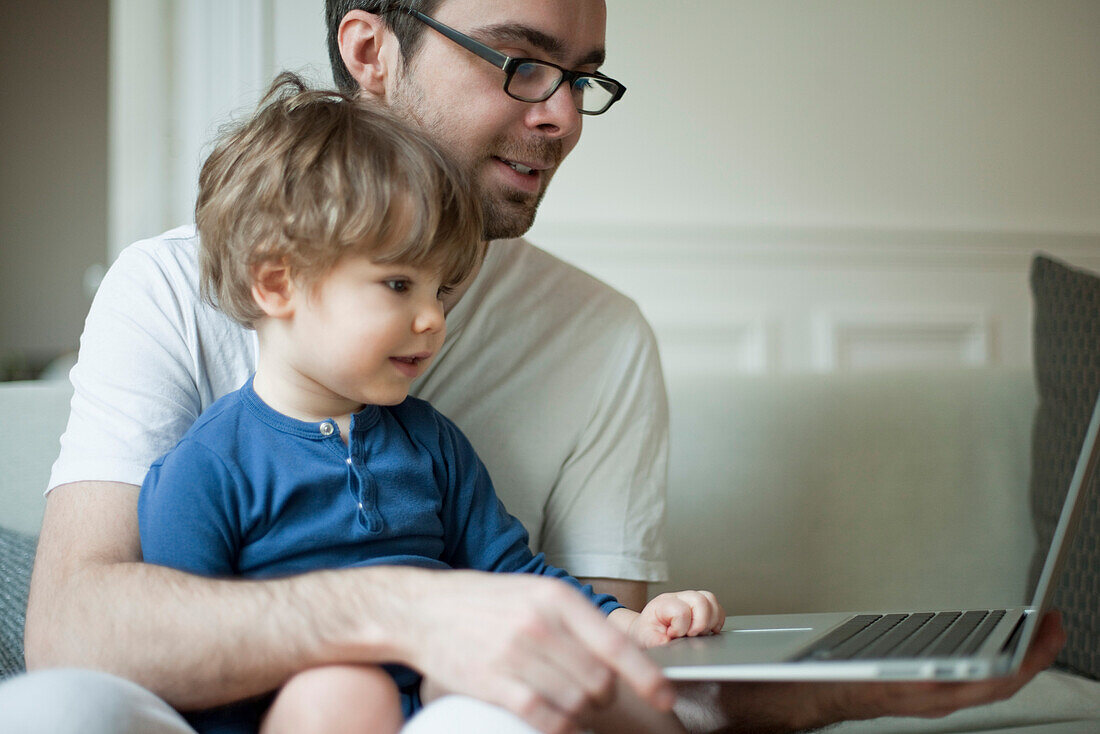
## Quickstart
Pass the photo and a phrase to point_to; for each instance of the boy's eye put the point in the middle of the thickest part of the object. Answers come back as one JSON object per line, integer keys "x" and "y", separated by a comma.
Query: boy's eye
{"x": 443, "y": 292}
{"x": 397, "y": 285}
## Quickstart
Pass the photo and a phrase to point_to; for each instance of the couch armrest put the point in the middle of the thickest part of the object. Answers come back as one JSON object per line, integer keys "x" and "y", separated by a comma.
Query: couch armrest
{"x": 33, "y": 415}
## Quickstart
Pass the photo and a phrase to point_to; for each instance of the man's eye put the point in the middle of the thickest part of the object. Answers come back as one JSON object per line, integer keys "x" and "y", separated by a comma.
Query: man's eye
{"x": 398, "y": 286}
{"x": 528, "y": 71}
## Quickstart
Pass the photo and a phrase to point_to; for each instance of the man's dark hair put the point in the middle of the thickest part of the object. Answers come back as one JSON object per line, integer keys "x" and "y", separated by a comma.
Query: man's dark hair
{"x": 407, "y": 29}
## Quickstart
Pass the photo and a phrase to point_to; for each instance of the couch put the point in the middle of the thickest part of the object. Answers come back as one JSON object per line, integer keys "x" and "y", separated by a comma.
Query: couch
{"x": 787, "y": 493}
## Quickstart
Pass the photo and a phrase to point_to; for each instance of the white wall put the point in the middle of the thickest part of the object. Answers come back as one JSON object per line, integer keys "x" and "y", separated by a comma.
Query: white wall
{"x": 793, "y": 186}
{"x": 939, "y": 114}
{"x": 789, "y": 186}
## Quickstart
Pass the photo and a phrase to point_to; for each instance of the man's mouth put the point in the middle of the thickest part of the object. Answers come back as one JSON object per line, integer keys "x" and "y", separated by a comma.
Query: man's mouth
{"x": 518, "y": 167}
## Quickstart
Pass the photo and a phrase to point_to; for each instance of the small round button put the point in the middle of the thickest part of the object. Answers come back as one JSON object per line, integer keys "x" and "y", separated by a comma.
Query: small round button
{"x": 327, "y": 429}
{"x": 348, "y": 461}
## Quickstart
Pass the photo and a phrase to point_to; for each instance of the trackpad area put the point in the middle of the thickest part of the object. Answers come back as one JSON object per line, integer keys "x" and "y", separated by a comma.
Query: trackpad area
{"x": 768, "y": 644}
{"x": 763, "y": 639}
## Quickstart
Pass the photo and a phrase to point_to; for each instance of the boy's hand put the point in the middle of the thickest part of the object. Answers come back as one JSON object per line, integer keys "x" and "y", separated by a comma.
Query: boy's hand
{"x": 677, "y": 614}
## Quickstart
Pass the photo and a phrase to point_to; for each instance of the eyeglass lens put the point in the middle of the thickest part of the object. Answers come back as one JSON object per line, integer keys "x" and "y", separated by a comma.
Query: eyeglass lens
{"x": 534, "y": 82}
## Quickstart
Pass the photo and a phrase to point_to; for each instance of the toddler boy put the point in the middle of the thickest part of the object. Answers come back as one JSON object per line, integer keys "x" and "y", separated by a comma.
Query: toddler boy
{"x": 334, "y": 231}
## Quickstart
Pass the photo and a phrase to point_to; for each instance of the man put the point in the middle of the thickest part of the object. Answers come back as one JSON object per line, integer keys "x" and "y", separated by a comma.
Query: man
{"x": 576, "y": 448}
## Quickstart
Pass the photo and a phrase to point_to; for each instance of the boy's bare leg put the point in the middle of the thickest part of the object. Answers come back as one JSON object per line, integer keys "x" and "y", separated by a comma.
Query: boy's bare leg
{"x": 334, "y": 699}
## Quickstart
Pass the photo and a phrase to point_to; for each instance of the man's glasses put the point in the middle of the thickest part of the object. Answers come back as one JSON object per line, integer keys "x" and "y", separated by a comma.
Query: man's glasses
{"x": 531, "y": 80}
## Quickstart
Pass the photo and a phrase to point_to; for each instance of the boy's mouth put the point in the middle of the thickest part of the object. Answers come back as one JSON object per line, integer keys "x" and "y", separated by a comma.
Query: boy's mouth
{"x": 410, "y": 365}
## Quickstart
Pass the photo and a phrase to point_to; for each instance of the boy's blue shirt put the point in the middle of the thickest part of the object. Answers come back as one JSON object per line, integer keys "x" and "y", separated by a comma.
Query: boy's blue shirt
{"x": 250, "y": 492}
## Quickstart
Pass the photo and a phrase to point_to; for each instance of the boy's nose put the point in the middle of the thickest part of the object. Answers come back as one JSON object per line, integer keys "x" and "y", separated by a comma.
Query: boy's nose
{"x": 429, "y": 319}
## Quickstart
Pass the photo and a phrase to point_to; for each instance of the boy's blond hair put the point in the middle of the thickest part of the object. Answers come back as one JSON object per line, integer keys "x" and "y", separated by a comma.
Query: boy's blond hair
{"x": 315, "y": 175}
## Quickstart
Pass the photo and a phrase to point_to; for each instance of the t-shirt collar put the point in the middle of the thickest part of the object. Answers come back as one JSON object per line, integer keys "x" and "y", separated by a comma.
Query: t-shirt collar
{"x": 318, "y": 430}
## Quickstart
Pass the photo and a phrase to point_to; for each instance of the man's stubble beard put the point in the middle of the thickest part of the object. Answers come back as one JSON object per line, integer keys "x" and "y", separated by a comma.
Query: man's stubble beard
{"x": 506, "y": 214}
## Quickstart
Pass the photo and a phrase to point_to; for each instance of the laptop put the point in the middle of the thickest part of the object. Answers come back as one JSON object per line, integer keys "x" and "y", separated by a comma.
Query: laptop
{"x": 948, "y": 645}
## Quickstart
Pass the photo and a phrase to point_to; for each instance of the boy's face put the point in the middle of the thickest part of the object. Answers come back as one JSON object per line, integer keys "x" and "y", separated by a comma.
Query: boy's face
{"x": 364, "y": 332}
{"x": 460, "y": 100}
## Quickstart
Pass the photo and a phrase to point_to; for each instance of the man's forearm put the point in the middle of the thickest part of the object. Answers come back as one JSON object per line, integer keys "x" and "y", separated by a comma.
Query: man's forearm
{"x": 194, "y": 641}
{"x": 201, "y": 642}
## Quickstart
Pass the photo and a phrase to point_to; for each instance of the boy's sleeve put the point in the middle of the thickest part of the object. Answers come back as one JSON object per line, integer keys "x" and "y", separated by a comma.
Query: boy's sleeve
{"x": 480, "y": 533}
{"x": 187, "y": 513}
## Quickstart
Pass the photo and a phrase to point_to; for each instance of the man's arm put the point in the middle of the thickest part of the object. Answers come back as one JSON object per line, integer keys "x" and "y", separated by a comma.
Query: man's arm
{"x": 94, "y": 604}
{"x": 631, "y": 594}
{"x": 528, "y": 644}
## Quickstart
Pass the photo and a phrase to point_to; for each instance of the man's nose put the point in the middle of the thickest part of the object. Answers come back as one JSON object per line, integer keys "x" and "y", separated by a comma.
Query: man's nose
{"x": 557, "y": 115}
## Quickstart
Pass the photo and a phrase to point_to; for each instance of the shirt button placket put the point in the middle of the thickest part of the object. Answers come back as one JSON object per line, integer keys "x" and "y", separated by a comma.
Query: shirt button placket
{"x": 366, "y": 490}
{"x": 368, "y": 502}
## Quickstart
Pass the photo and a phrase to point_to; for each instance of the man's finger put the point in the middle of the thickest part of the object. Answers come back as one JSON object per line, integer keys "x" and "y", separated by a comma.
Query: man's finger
{"x": 586, "y": 672}
{"x": 616, "y": 650}
{"x": 568, "y": 676}
{"x": 529, "y": 705}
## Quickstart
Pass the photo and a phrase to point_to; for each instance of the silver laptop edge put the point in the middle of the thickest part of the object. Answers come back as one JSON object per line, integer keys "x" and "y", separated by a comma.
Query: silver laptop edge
{"x": 1062, "y": 539}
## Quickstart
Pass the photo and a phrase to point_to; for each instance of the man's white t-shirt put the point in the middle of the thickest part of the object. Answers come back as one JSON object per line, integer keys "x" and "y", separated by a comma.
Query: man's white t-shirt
{"x": 552, "y": 375}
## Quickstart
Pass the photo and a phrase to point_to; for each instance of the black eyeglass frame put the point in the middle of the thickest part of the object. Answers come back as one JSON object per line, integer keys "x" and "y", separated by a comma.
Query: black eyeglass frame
{"x": 508, "y": 64}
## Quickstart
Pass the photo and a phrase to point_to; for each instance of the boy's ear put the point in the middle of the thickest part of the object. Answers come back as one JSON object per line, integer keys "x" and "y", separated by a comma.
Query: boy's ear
{"x": 273, "y": 289}
{"x": 369, "y": 50}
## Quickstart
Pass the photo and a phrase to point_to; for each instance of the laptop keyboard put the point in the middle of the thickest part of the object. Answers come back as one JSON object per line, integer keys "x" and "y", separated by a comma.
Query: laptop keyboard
{"x": 923, "y": 635}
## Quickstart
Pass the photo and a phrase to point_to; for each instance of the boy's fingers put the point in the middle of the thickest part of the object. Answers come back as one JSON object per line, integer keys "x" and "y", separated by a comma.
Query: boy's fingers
{"x": 702, "y": 611}
{"x": 719, "y": 614}
{"x": 689, "y": 613}
{"x": 679, "y": 616}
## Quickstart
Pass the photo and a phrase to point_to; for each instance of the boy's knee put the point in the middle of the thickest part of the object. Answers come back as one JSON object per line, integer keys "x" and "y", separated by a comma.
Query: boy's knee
{"x": 67, "y": 701}
{"x": 361, "y": 683}
{"x": 337, "y": 698}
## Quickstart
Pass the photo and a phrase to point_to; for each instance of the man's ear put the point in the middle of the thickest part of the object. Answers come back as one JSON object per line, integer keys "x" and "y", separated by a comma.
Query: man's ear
{"x": 274, "y": 289}
{"x": 369, "y": 50}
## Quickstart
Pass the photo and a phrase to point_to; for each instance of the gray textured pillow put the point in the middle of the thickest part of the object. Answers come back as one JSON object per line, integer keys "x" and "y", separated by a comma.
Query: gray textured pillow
{"x": 1067, "y": 371}
{"x": 16, "y": 559}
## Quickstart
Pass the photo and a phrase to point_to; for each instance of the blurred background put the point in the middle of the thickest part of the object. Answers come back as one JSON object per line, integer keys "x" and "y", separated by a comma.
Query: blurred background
{"x": 788, "y": 186}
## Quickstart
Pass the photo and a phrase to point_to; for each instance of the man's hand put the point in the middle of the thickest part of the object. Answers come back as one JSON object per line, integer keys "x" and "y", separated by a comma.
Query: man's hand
{"x": 677, "y": 614}
{"x": 787, "y": 707}
{"x": 940, "y": 699}
{"x": 531, "y": 645}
